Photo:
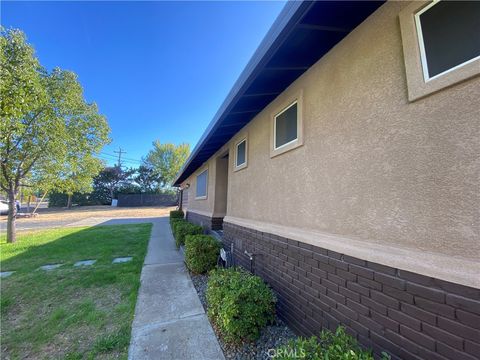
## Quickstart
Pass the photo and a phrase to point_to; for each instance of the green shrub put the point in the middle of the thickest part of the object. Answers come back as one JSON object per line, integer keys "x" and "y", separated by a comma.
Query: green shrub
{"x": 201, "y": 253}
{"x": 176, "y": 214}
{"x": 174, "y": 221}
{"x": 239, "y": 304}
{"x": 184, "y": 228}
{"x": 336, "y": 345}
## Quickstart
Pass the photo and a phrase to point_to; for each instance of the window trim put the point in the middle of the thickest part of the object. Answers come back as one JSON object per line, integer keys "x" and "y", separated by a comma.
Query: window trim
{"x": 245, "y": 163}
{"x": 417, "y": 86}
{"x": 421, "y": 45}
{"x": 279, "y": 110}
{"x": 275, "y": 147}
{"x": 203, "y": 197}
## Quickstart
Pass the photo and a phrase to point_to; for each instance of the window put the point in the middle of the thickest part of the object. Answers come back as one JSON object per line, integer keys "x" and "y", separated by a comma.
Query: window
{"x": 286, "y": 126}
{"x": 202, "y": 182}
{"x": 241, "y": 154}
{"x": 448, "y": 35}
{"x": 286, "y": 131}
{"x": 441, "y": 44}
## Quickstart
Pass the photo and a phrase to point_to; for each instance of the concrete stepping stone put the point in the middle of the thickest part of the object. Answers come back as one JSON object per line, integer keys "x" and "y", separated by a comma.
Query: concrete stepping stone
{"x": 122, "y": 259}
{"x": 5, "y": 274}
{"x": 49, "y": 267}
{"x": 85, "y": 263}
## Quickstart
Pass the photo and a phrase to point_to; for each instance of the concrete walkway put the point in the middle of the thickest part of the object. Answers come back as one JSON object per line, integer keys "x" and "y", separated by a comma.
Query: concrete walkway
{"x": 169, "y": 322}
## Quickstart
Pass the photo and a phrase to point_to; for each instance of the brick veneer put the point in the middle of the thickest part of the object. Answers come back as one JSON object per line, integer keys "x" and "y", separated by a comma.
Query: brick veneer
{"x": 210, "y": 223}
{"x": 410, "y": 316}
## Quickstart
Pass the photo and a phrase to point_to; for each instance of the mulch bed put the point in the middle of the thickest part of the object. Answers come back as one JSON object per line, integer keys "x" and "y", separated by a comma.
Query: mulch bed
{"x": 272, "y": 336}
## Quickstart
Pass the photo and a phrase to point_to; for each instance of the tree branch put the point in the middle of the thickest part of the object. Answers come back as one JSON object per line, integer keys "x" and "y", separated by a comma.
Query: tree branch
{"x": 28, "y": 125}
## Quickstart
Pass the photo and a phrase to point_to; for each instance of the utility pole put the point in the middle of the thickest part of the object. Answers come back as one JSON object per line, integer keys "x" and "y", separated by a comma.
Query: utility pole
{"x": 120, "y": 152}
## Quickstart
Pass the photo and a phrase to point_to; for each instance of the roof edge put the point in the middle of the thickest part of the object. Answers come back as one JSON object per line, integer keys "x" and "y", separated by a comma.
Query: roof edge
{"x": 288, "y": 17}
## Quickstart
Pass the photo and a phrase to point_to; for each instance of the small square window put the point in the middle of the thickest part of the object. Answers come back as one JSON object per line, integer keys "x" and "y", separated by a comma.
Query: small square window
{"x": 286, "y": 126}
{"x": 241, "y": 154}
{"x": 449, "y": 35}
{"x": 201, "y": 187}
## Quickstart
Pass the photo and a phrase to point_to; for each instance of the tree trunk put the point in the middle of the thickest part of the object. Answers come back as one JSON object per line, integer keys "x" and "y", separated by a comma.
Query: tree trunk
{"x": 12, "y": 215}
{"x": 69, "y": 201}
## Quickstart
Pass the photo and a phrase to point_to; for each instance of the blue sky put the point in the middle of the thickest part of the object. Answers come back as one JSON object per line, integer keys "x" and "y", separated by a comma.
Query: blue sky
{"x": 157, "y": 70}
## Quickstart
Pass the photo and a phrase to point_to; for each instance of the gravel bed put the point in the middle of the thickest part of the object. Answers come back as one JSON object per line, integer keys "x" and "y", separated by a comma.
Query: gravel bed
{"x": 271, "y": 337}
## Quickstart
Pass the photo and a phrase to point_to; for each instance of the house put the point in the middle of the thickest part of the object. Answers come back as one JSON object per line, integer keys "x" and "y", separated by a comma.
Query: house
{"x": 343, "y": 168}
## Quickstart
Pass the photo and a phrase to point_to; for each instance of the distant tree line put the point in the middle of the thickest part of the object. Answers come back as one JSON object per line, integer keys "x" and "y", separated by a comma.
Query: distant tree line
{"x": 154, "y": 176}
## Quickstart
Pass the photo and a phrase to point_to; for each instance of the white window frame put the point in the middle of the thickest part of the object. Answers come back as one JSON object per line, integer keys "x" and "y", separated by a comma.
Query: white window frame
{"x": 244, "y": 164}
{"x": 203, "y": 197}
{"x": 423, "y": 54}
{"x": 284, "y": 103}
{"x": 417, "y": 85}
{"x": 275, "y": 147}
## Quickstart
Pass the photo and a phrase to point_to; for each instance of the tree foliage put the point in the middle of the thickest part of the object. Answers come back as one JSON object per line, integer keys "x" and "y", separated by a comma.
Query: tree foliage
{"x": 166, "y": 160}
{"x": 111, "y": 179}
{"x": 147, "y": 179}
{"x": 49, "y": 133}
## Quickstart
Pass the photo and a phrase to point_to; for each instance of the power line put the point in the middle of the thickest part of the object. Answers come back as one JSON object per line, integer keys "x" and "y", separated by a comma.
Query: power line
{"x": 119, "y": 152}
{"x": 123, "y": 157}
{"x": 127, "y": 162}
{"x": 108, "y": 154}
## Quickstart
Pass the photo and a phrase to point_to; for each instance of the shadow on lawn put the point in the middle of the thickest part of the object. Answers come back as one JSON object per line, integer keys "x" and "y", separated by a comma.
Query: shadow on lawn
{"x": 67, "y": 245}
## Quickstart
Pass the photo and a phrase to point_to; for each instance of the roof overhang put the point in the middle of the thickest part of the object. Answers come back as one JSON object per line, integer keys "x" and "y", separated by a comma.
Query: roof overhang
{"x": 303, "y": 32}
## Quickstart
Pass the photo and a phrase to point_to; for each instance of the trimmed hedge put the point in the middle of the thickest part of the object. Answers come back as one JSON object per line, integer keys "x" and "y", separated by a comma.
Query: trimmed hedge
{"x": 201, "y": 253}
{"x": 329, "y": 346}
{"x": 182, "y": 228}
{"x": 174, "y": 221}
{"x": 239, "y": 304}
{"x": 176, "y": 214}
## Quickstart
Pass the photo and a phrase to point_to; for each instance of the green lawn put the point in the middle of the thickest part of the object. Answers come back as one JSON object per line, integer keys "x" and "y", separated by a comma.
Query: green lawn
{"x": 71, "y": 313}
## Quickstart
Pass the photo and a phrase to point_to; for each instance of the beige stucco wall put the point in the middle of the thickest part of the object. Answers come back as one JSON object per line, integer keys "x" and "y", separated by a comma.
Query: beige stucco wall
{"x": 373, "y": 166}
{"x": 207, "y": 206}
{"x": 202, "y": 205}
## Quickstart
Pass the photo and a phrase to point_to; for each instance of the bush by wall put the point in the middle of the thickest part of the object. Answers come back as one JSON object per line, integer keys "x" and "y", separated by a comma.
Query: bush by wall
{"x": 201, "y": 253}
{"x": 173, "y": 225}
{"x": 336, "y": 345}
{"x": 239, "y": 304}
{"x": 182, "y": 228}
{"x": 177, "y": 214}
{"x": 174, "y": 221}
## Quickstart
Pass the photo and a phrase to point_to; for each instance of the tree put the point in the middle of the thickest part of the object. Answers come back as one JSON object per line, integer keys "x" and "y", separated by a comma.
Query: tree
{"x": 46, "y": 124}
{"x": 109, "y": 180}
{"x": 78, "y": 176}
{"x": 166, "y": 161}
{"x": 147, "y": 179}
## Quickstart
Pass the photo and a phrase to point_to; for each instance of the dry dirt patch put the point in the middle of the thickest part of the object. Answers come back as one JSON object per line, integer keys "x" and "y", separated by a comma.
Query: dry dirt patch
{"x": 85, "y": 212}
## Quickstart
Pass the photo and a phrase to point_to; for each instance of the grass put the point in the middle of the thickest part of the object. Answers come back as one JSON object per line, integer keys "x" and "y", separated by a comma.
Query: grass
{"x": 71, "y": 313}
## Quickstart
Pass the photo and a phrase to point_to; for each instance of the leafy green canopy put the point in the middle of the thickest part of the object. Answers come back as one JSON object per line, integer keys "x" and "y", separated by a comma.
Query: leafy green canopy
{"x": 49, "y": 133}
{"x": 165, "y": 161}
